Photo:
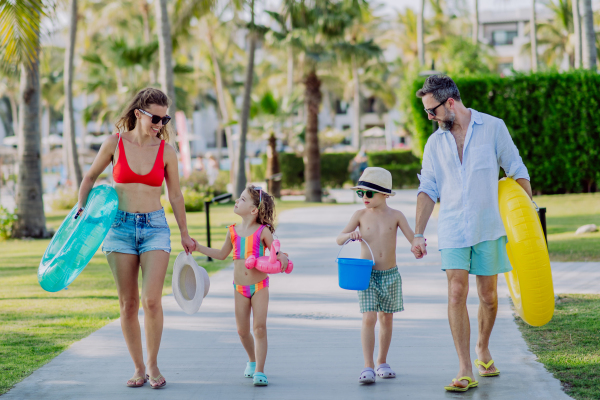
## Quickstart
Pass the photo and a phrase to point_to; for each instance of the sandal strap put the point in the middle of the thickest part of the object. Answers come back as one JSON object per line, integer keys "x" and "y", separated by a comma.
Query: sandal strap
{"x": 484, "y": 365}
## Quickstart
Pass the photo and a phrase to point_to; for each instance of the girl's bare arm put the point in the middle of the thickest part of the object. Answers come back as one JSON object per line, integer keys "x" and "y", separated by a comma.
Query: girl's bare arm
{"x": 267, "y": 238}
{"x": 218, "y": 254}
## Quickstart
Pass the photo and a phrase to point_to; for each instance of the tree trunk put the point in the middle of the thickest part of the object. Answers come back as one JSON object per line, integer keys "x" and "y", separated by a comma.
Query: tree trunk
{"x": 14, "y": 109}
{"x": 312, "y": 157}
{"x": 577, "y": 33}
{"x": 240, "y": 179}
{"x": 356, "y": 136}
{"x": 421, "y": 33}
{"x": 30, "y": 204}
{"x": 165, "y": 51}
{"x": 476, "y": 22}
{"x": 224, "y": 113}
{"x": 589, "y": 36}
{"x": 145, "y": 11}
{"x": 533, "y": 34}
{"x": 69, "y": 142}
{"x": 274, "y": 187}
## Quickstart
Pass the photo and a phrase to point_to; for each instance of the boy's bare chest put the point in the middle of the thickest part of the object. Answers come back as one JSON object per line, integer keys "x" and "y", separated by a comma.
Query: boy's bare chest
{"x": 378, "y": 228}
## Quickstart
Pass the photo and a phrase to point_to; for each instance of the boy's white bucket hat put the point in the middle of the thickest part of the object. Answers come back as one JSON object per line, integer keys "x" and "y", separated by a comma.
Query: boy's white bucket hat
{"x": 190, "y": 283}
{"x": 376, "y": 179}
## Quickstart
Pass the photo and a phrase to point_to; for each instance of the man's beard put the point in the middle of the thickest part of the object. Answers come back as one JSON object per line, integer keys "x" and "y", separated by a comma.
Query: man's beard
{"x": 448, "y": 123}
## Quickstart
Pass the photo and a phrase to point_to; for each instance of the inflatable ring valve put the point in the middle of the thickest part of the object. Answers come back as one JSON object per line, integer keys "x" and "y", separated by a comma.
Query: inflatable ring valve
{"x": 530, "y": 281}
{"x": 77, "y": 240}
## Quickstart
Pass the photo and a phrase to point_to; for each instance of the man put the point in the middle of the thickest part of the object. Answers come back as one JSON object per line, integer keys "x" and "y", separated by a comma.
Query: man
{"x": 461, "y": 165}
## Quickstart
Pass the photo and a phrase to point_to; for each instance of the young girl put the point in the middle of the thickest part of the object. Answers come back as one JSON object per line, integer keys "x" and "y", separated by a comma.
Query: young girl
{"x": 251, "y": 287}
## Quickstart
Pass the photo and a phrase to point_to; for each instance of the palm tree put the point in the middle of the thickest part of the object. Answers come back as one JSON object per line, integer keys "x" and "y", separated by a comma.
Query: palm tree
{"x": 421, "y": 33}
{"x": 20, "y": 46}
{"x": 589, "y": 36}
{"x": 240, "y": 179}
{"x": 165, "y": 51}
{"x": 475, "y": 21}
{"x": 69, "y": 144}
{"x": 577, "y": 30}
{"x": 533, "y": 34}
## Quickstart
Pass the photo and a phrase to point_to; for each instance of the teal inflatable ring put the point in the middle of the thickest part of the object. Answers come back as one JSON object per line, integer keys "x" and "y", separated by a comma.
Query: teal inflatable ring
{"x": 77, "y": 240}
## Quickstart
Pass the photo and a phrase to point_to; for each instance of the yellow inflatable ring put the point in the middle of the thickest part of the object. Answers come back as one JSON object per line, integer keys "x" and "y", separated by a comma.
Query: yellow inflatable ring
{"x": 530, "y": 281}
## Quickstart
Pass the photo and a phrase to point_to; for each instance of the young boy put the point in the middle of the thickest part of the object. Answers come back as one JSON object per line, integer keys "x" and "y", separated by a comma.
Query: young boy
{"x": 377, "y": 225}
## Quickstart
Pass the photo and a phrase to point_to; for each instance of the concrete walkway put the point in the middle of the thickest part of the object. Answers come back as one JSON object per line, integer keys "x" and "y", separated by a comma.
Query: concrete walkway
{"x": 314, "y": 336}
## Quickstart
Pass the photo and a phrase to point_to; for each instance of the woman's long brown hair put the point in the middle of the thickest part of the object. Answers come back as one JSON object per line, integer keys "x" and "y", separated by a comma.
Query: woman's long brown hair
{"x": 142, "y": 100}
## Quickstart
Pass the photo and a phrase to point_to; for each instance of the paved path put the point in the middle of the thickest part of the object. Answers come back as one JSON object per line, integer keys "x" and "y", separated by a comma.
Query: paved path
{"x": 314, "y": 337}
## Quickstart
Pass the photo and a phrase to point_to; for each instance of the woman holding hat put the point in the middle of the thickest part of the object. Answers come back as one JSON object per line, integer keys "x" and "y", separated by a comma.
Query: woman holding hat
{"x": 139, "y": 236}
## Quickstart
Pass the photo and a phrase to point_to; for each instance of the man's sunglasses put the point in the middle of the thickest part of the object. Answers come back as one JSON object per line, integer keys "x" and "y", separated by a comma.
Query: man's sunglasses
{"x": 431, "y": 111}
{"x": 362, "y": 193}
{"x": 155, "y": 118}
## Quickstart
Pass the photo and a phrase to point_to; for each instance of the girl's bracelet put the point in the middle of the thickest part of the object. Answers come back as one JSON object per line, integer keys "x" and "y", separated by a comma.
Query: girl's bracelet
{"x": 418, "y": 235}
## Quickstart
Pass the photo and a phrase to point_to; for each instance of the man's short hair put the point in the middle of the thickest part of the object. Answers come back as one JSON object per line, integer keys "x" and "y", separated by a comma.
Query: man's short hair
{"x": 442, "y": 87}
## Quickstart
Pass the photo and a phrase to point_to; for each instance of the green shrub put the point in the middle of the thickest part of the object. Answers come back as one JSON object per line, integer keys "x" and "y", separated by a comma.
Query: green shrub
{"x": 404, "y": 176}
{"x": 552, "y": 118}
{"x": 258, "y": 172}
{"x": 64, "y": 199}
{"x": 7, "y": 220}
{"x": 334, "y": 169}
{"x": 393, "y": 157}
{"x": 194, "y": 201}
{"x": 292, "y": 169}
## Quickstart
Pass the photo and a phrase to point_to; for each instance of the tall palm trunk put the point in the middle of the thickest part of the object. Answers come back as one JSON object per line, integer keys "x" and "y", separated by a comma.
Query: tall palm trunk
{"x": 165, "y": 51}
{"x": 240, "y": 180}
{"x": 577, "y": 33}
{"x": 589, "y": 36}
{"x": 223, "y": 111}
{"x": 312, "y": 157}
{"x": 69, "y": 143}
{"x": 421, "y": 33}
{"x": 30, "y": 205}
{"x": 273, "y": 167}
{"x": 533, "y": 34}
{"x": 356, "y": 136}
{"x": 145, "y": 11}
{"x": 14, "y": 109}
{"x": 476, "y": 22}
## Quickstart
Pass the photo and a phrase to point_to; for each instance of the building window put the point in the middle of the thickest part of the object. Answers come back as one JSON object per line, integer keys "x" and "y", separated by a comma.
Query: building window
{"x": 341, "y": 107}
{"x": 345, "y": 127}
{"x": 503, "y": 37}
{"x": 369, "y": 105}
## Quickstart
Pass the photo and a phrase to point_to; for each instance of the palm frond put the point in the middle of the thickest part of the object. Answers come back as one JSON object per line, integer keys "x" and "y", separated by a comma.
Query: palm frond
{"x": 20, "y": 30}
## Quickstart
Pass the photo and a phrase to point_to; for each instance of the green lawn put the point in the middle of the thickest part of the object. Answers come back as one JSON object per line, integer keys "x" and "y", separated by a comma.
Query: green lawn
{"x": 564, "y": 214}
{"x": 36, "y": 326}
{"x": 569, "y": 345}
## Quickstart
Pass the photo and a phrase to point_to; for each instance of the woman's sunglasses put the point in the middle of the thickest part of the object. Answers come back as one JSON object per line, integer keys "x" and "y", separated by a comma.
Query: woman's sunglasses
{"x": 362, "y": 193}
{"x": 155, "y": 118}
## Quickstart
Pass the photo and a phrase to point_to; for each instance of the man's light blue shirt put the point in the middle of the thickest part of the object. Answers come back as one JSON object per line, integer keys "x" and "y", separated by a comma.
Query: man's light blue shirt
{"x": 468, "y": 192}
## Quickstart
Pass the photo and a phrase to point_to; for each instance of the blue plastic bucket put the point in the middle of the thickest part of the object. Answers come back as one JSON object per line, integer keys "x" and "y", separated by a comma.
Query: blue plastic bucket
{"x": 354, "y": 273}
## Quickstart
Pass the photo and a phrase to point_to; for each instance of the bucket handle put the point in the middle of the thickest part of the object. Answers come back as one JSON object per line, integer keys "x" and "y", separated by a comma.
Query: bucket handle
{"x": 352, "y": 240}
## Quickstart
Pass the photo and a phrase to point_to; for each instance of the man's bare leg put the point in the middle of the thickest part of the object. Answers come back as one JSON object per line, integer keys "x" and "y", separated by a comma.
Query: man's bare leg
{"x": 458, "y": 316}
{"x": 487, "y": 288}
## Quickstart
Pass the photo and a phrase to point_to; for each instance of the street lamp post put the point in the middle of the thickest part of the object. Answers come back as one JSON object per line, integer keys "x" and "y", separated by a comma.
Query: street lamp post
{"x": 207, "y": 204}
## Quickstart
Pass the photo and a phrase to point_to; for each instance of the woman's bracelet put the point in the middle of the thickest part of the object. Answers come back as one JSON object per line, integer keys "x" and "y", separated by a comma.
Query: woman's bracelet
{"x": 419, "y": 235}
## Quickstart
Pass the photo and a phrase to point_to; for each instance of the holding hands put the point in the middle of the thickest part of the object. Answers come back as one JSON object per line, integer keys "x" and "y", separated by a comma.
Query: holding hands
{"x": 419, "y": 247}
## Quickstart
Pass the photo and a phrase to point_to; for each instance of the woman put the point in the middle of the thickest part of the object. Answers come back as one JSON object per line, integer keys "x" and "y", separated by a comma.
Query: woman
{"x": 139, "y": 235}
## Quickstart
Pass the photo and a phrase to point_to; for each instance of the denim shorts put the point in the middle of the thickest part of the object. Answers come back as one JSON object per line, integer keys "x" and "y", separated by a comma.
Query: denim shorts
{"x": 137, "y": 233}
{"x": 486, "y": 258}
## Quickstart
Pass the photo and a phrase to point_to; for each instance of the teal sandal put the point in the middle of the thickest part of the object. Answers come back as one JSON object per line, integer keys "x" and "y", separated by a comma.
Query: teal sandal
{"x": 260, "y": 379}
{"x": 249, "y": 372}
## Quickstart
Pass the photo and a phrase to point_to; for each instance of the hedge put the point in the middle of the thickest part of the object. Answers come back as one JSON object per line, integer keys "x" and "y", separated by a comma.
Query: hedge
{"x": 552, "y": 118}
{"x": 403, "y": 165}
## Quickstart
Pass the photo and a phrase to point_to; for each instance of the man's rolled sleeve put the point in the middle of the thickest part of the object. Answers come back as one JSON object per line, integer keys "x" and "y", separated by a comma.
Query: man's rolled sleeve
{"x": 427, "y": 180}
{"x": 508, "y": 155}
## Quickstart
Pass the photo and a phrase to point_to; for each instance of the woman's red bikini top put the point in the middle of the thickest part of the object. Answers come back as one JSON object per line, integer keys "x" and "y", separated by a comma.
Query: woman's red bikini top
{"x": 123, "y": 174}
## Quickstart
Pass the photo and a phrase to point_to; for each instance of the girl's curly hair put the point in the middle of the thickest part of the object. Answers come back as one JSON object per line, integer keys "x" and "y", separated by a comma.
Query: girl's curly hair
{"x": 266, "y": 206}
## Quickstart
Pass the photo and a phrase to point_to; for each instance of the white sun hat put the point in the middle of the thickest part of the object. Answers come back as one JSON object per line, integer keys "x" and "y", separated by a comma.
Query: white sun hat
{"x": 376, "y": 179}
{"x": 190, "y": 283}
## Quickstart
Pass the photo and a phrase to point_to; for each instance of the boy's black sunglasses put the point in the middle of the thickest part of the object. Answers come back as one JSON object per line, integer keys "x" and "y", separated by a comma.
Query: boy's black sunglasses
{"x": 155, "y": 118}
{"x": 369, "y": 193}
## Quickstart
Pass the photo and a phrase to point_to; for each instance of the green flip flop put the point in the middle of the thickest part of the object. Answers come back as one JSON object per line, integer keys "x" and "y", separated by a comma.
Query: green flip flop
{"x": 453, "y": 388}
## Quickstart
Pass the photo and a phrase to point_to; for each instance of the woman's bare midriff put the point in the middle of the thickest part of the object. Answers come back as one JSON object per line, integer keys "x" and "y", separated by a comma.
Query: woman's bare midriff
{"x": 138, "y": 197}
{"x": 245, "y": 276}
